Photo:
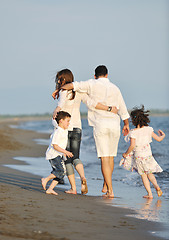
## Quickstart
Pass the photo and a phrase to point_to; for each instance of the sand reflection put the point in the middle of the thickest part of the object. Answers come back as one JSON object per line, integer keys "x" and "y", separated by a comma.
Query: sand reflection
{"x": 150, "y": 210}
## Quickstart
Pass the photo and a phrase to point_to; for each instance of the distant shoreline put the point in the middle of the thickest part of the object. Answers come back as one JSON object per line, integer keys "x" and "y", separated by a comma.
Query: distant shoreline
{"x": 48, "y": 116}
{"x": 159, "y": 114}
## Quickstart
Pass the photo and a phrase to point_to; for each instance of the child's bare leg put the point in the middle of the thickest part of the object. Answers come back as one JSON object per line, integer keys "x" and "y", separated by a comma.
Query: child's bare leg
{"x": 146, "y": 185}
{"x": 80, "y": 170}
{"x": 44, "y": 181}
{"x": 153, "y": 180}
{"x": 51, "y": 187}
{"x": 155, "y": 184}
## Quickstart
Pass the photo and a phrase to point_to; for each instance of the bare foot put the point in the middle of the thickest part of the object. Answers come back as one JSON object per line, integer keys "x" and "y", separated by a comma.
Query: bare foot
{"x": 111, "y": 195}
{"x": 159, "y": 192}
{"x": 148, "y": 196}
{"x": 71, "y": 191}
{"x": 44, "y": 182}
{"x": 105, "y": 195}
{"x": 108, "y": 195}
{"x": 104, "y": 189}
{"x": 51, "y": 191}
{"x": 84, "y": 188}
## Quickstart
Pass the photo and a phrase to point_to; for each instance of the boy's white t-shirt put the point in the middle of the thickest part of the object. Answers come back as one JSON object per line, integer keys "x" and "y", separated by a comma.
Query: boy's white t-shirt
{"x": 59, "y": 137}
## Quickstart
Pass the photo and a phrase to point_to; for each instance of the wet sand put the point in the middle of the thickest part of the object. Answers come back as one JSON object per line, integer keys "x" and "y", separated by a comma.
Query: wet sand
{"x": 26, "y": 212}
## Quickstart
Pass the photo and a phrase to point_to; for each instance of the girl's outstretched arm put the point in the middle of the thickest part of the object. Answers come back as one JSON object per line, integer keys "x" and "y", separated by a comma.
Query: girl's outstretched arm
{"x": 159, "y": 137}
{"x": 131, "y": 147}
{"x": 126, "y": 128}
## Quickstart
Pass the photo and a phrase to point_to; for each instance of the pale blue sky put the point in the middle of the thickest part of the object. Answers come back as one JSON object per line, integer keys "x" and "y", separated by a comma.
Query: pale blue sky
{"x": 40, "y": 37}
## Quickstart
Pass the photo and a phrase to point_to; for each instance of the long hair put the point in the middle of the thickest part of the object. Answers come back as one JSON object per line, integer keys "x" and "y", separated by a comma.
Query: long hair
{"x": 63, "y": 77}
{"x": 140, "y": 117}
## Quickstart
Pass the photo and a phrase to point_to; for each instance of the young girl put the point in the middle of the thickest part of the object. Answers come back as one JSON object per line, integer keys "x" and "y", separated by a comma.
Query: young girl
{"x": 139, "y": 156}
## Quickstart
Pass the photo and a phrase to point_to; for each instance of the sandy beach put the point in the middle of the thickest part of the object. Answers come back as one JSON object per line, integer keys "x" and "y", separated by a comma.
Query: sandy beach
{"x": 26, "y": 212}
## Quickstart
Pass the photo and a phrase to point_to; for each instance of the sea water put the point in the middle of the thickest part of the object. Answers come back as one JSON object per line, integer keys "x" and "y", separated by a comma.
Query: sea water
{"x": 127, "y": 186}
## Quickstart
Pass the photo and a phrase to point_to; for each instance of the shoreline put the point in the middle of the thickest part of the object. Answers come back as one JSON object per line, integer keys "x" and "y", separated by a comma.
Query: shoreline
{"x": 28, "y": 213}
{"x": 34, "y": 117}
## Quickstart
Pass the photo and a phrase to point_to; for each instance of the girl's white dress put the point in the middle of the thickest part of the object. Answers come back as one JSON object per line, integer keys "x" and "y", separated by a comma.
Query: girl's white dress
{"x": 141, "y": 158}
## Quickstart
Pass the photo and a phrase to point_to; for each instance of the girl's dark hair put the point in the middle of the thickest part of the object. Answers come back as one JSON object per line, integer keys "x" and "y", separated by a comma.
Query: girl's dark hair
{"x": 63, "y": 77}
{"x": 140, "y": 117}
{"x": 62, "y": 115}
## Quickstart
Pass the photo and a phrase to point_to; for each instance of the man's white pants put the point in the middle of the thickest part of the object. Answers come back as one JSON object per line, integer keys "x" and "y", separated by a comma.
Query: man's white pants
{"x": 106, "y": 140}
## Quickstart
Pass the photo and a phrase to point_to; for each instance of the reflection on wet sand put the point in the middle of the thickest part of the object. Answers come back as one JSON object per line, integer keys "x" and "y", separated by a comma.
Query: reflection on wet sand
{"x": 150, "y": 210}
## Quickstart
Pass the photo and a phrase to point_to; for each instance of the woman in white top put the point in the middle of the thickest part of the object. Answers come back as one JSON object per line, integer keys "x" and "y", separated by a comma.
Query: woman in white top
{"x": 69, "y": 101}
{"x": 139, "y": 156}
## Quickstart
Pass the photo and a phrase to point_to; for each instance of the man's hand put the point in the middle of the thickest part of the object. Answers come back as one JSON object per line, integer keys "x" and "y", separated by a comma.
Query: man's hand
{"x": 126, "y": 128}
{"x": 55, "y": 93}
{"x": 114, "y": 110}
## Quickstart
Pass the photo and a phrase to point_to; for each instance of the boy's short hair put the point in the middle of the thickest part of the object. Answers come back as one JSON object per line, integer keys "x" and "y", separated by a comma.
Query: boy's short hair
{"x": 62, "y": 115}
{"x": 101, "y": 71}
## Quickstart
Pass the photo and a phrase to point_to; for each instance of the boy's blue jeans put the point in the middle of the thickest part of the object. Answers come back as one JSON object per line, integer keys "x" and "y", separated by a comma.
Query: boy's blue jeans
{"x": 58, "y": 167}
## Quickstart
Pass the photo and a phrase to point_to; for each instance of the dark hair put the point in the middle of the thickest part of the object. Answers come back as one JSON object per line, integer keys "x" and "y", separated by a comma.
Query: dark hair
{"x": 101, "y": 71}
{"x": 140, "y": 117}
{"x": 63, "y": 77}
{"x": 62, "y": 115}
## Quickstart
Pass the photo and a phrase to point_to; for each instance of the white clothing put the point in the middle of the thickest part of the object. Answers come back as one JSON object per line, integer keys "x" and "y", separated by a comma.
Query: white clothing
{"x": 141, "y": 158}
{"x": 142, "y": 136}
{"x": 60, "y": 138}
{"x": 106, "y": 141}
{"x": 106, "y": 124}
{"x": 73, "y": 106}
{"x": 102, "y": 90}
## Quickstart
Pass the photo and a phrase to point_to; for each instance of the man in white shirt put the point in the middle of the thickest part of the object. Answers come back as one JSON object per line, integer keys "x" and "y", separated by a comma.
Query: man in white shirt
{"x": 106, "y": 125}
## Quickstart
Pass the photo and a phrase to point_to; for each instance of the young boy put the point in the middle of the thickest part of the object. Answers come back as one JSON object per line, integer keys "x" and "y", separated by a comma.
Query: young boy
{"x": 56, "y": 152}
